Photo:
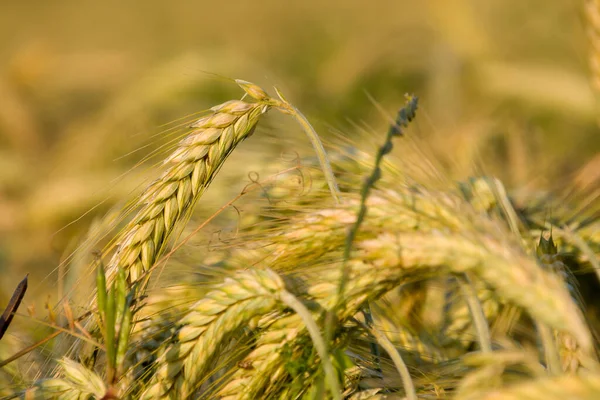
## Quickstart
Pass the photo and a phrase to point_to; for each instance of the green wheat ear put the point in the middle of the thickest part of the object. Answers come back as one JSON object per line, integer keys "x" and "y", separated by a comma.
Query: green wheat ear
{"x": 405, "y": 116}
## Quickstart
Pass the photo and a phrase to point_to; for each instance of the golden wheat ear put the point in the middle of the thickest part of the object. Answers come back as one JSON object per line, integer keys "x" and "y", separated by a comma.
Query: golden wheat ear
{"x": 190, "y": 170}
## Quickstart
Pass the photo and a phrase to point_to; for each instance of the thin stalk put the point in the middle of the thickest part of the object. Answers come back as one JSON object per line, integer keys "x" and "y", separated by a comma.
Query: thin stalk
{"x": 409, "y": 387}
{"x": 284, "y": 106}
{"x": 551, "y": 355}
{"x": 320, "y": 150}
{"x": 374, "y": 348}
{"x": 291, "y": 301}
{"x": 479, "y": 320}
{"x": 405, "y": 115}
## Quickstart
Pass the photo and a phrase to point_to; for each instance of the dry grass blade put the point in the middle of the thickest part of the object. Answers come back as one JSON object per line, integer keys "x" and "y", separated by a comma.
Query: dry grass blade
{"x": 12, "y": 306}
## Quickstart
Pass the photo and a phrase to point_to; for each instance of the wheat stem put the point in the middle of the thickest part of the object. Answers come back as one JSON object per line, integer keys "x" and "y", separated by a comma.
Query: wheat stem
{"x": 284, "y": 106}
{"x": 320, "y": 345}
{"x": 551, "y": 355}
{"x": 406, "y": 114}
{"x": 477, "y": 314}
{"x": 382, "y": 339}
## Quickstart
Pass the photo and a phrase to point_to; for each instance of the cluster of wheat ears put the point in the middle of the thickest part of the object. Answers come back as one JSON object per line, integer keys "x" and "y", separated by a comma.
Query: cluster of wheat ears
{"x": 380, "y": 291}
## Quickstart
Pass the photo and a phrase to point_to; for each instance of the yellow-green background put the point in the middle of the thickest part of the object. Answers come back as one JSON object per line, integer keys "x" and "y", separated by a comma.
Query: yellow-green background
{"x": 504, "y": 88}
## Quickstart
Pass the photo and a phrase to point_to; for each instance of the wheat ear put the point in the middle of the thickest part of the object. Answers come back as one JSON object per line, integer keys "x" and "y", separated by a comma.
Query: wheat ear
{"x": 267, "y": 372}
{"x": 191, "y": 168}
{"x": 209, "y": 324}
{"x": 215, "y": 319}
{"x": 500, "y": 264}
{"x": 269, "y": 375}
{"x": 79, "y": 382}
{"x": 383, "y": 262}
{"x": 569, "y": 357}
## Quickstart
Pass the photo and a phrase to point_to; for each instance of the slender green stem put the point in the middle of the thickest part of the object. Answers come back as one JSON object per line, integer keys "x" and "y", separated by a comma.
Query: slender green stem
{"x": 405, "y": 115}
{"x": 291, "y": 301}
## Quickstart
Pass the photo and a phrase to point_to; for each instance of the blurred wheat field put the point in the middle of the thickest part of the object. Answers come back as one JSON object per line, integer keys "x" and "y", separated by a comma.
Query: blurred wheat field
{"x": 475, "y": 266}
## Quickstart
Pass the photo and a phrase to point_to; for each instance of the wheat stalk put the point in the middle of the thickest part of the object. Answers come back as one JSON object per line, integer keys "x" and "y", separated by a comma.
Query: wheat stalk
{"x": 405, "y": 338}
{"x": 458, "y": 324}
{"x": 383, "y": 340}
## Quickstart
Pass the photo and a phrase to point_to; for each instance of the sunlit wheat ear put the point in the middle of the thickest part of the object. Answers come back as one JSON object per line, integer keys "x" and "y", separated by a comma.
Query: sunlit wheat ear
{"x": 511, "y": 274}
{"x": 189, "y": 171}
{"x": 78, "y": 383}
{"x": 209, "y": 325}
{"x": 267, "y": 374}
{"x": 408, "y": 234}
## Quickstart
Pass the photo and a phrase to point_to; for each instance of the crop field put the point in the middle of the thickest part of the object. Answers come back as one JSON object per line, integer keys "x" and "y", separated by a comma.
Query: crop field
{"x": 300, "y": 200}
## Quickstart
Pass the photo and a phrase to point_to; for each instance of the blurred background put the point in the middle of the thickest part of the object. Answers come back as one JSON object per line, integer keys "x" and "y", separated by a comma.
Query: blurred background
{"x": 85, "y": 88}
